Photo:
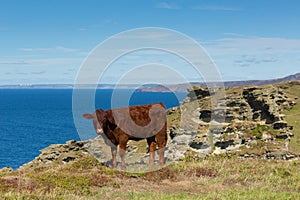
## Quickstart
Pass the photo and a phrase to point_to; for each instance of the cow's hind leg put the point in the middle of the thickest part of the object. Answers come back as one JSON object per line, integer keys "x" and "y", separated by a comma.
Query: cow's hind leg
{"x": 161, "y": 139}
{"x": 152, "y": 148}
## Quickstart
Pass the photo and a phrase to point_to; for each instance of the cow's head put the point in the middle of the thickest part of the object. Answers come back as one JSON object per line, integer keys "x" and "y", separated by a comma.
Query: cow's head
{"x": 99, "y": 118}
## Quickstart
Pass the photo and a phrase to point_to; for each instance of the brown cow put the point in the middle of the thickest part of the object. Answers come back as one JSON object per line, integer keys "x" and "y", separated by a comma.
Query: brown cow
{"x": 117, "y": 126}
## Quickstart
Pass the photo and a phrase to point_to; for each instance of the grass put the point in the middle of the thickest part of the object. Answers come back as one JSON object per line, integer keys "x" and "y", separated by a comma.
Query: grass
{"x": 259, "y": 130}
{"x": 293, "y": 117}
{"x": 217, "y": 177}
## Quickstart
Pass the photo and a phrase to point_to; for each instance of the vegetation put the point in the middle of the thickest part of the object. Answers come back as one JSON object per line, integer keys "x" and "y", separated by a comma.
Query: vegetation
{"x": 259, "y": 130}
{"x": 218, "y": 177}
{"x": 293, "y": 117}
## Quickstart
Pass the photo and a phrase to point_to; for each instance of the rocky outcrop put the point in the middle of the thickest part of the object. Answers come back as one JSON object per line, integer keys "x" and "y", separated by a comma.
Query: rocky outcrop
{"x": 267, "y": 103}
{"x": 253, "y": 124}
{"x": 198, "y": 93}
{"x": 249, "y": 104}
{"x": 61, "y": 153}
{"x": 96, "y": 147}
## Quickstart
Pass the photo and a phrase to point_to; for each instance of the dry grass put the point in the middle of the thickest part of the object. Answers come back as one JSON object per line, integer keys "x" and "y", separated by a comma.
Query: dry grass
{"x": 212, "y": 178}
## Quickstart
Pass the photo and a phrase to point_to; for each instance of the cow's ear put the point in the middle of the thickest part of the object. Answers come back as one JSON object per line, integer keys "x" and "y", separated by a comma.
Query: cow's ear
{"x": 88, "y": 116}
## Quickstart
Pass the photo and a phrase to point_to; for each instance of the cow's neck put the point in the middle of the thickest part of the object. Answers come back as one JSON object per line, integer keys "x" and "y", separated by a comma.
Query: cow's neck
{"x": 109, "y": 135}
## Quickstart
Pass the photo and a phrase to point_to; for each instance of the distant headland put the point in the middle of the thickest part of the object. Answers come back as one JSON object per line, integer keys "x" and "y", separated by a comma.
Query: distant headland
{"x": 181, "y": 87}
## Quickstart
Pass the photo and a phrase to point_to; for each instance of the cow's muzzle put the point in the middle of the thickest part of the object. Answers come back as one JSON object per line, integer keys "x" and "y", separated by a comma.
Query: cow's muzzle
{"x": 99, "y": 131}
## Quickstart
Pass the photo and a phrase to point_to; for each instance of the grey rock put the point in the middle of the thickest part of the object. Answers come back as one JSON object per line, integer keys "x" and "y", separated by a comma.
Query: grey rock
{"x": 182, "y": 139}
{"x": 198, "y": 92}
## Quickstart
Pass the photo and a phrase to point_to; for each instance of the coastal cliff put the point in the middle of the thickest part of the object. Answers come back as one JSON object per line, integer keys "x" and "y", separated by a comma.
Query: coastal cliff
{"x": 250, "y": 150}
{"x": 258, "y": 122}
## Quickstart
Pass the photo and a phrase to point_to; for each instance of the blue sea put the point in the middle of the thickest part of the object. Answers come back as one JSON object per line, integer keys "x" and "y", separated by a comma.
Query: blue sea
{"x": 32, "y": 119}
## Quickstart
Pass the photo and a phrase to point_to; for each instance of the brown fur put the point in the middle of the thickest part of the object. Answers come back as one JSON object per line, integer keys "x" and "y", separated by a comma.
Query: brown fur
{"x": 114, "y": 135}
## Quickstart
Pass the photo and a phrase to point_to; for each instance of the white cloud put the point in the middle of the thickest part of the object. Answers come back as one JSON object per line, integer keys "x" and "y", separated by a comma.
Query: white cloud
{"x": 25, "y": 49}
{"x": 234, "y": 34}
{"x": 15, "y": 62}
{"x": 269, "y": 60}
{"x": 53, "y": 49}
{"x": 65, "y": 49}
{"x": 55, "y": 61}
{"x": 38, "y": 72}
{"x": 145, "y": 35}
{"x": 43, "y": 62}
{"x": 165, "y": 5}
{"x": 259, "y": 57}
{"x": 252, "y": 45}
{"x": 215, "y": 8}
{"x": 246, "y": 61}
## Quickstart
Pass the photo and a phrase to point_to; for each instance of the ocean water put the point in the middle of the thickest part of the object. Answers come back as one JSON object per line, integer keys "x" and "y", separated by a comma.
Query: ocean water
{"x": 32, "y": 119}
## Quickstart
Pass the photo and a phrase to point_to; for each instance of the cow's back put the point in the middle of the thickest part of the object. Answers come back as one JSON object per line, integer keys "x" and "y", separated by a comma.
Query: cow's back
{"x": 140, "y": 115}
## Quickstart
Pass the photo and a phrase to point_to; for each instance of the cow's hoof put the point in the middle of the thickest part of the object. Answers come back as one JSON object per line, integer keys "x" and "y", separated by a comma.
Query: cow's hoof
{"x": 112, "y": 166}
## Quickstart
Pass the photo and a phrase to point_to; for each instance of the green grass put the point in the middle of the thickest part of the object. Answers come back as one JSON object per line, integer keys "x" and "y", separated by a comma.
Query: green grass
{"x": 259, "y": 130}
{"x": 293, "y": 118}
{"x": 216, "y": 177}
{"x": 235, "y": 194}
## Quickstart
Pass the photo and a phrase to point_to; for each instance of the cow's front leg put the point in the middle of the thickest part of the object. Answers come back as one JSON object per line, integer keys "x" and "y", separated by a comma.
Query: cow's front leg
{"x": 122, "y": 155}
{"x": 122, "y": 150}
{"x": 114, "y": 156}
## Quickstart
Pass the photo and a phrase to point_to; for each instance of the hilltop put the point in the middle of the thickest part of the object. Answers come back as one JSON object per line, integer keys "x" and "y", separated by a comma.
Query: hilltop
{"x": 184, "y": 86}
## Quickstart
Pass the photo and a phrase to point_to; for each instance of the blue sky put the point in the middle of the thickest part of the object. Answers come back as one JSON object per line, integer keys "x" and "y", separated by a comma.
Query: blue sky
{"x": 46, "y": 41}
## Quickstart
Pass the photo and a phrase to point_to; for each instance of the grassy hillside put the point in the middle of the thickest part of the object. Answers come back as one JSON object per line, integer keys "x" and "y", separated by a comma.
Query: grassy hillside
{"x": 293, "y": 115}
{"x": 212, "y": 178}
